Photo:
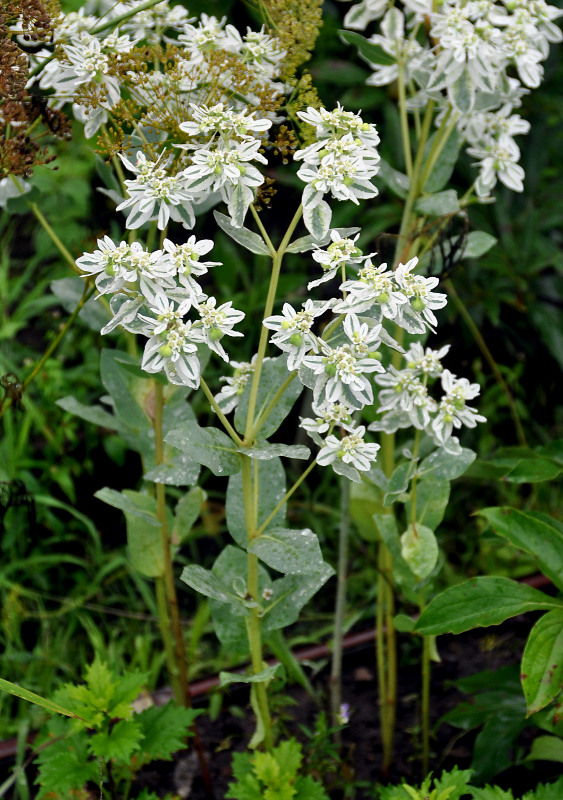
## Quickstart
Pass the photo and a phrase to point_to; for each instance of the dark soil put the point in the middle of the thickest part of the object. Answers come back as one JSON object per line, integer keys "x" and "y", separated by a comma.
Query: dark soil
{"x": 461, "y": 656}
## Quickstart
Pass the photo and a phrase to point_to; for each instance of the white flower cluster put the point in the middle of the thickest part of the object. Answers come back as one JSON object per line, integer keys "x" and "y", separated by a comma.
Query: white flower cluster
{"x": 475, "y": 59}
{"x": 220, "y": 168}
{"x": 406, "y": 401}
{"x": 341, "y": 162}
{"x": 152, "y": 294}
{"x": 339, "y": 365}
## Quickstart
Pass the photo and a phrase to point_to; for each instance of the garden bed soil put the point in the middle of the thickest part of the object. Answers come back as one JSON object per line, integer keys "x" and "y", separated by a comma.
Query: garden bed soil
{"x": 461, "y": 656}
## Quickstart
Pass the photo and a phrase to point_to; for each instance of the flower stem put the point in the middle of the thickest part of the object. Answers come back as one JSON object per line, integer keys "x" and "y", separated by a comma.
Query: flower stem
{"x": 482, "y": 345}
{"x": 340, "y": 607}
{"x": 276, "y": 267}
{"x": 226, "y": 424}
{"x": 55, "y": 239}
{"x": 86, "y": 294}
{"x": 404, "y": 119}
{"x": 285, "y": 498}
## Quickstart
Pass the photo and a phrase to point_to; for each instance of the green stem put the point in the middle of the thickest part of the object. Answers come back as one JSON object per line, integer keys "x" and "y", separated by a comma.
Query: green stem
{"x": 226, "y": 424}
{"x": 386, "y": 733}
{"x": 86, "y": 294}
{"x": 263, "y": 231}
{"x": 55, "y": 239}
{"x": 263, "y": 416}
{"x": 340, "y": 607}
{"x": 285, "y": 498}
{"x": 264, "y": 333}
{"x": 173, "y": 624}
{"x": 442, "y": 136}
{"x": 253, "y": 623}
{"x": 482, "y": 345}
{"x": 404, "y": 119}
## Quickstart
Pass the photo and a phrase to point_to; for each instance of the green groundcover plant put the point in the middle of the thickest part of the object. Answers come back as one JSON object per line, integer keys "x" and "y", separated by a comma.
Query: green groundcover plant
{"x": 196, "y": 120}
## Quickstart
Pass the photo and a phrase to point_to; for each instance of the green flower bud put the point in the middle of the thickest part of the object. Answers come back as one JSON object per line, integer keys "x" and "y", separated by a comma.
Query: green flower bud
{"x": 324, "y": 152}
{"x": 286, "y": 324}
{"x": 459, "y": 404}
{"x": 215, "y": 334}
{"x": 383, "y": 298}
{"x": 356, "y": 252}
{"x": 218, "y": 169}
{"x": 330, "y": 370}
{"x": 357, "y": 142}
{"x": 348, "y": 180}
{"x": 375, "y": 354}
{"x": 110, "y": 270}
{"x": 398, "y": 388}
{"x": 411, "y": 364}
{"x": 418, "y": 304}
{"x": 341, "y": 453}
{"x": 165, "y": 351}
{"x": 448, "y": 418}
{"x": 241, "y": 169}
{"x": 366, "y": 127}
{"x": 296, "y": 339}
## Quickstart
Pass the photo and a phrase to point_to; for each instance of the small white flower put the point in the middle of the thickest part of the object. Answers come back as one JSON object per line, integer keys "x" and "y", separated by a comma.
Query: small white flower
{"x": 425, "y": 361}
{"x": 351, "y": 449}
{"x": 418, "y": 290}
{"x": 293, "y": 330}
{"x": 375, "y": 287}
{"x": 156, "y": 195}
{"x": 229, "y": 396}
{"x": 217, "y": 322}
{"x": 185, "y": 259}
{"x": 453, "y": 411}
{"x": 406, "y": 393}
{"x": 229, "y": 123}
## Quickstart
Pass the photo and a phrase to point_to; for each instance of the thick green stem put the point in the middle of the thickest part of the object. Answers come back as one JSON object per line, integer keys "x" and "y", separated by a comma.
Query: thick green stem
{"x": 253, "y": 622}
{"x": 340, "y": 607}
{"x": 172, "y": 622}
{"x": 482, "y": 345}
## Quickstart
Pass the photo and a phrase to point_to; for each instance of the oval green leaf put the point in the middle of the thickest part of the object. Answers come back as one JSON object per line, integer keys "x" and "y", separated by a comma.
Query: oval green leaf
{"x": 479, "y": 603}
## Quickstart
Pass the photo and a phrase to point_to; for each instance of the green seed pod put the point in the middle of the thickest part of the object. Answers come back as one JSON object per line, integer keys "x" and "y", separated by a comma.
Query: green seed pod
{"x": 330, "y": 370}
{"x": 375, "y": 354}
{"x": 418, "y": 304}
{"x": 286, "y": 324}
{"x": 348, "y": 180}
{"x": 296, "y": 339}
{"x": 215, "y": 334}
{"x": 165, "y": 351}
{"x": 383, "y": 298}
{"x": 341, "y": 453}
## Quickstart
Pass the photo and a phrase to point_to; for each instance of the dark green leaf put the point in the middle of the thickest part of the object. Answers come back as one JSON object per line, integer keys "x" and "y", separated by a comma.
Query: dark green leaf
{"x": 542, "y": 662}
{"x": 538, "y": 536}
{"x": 186, "y": 513}
{"x": 274, "y": 374}
{"x": 479, "y": 603}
